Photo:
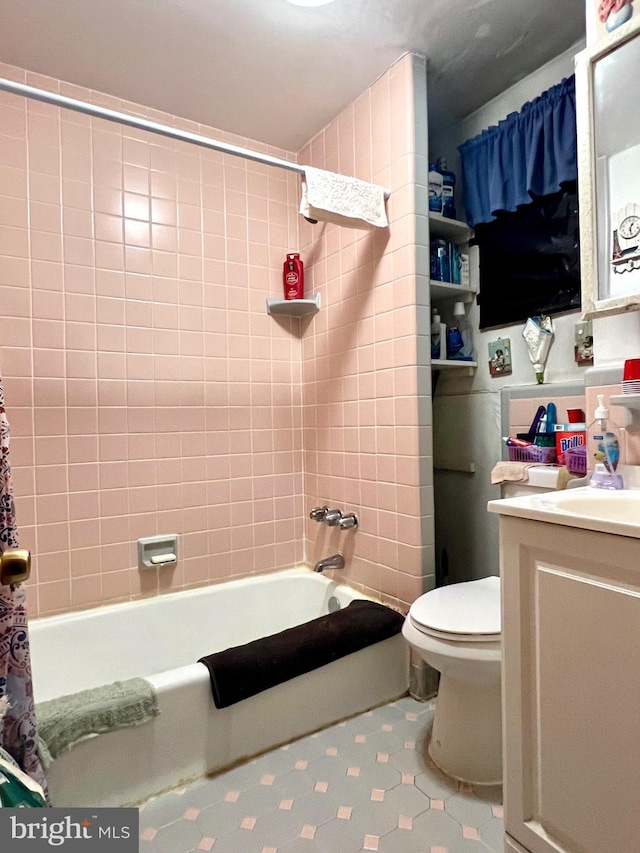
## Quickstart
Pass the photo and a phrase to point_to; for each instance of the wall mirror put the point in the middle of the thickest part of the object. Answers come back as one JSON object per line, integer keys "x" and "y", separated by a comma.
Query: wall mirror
{"x": 608, "y": 119}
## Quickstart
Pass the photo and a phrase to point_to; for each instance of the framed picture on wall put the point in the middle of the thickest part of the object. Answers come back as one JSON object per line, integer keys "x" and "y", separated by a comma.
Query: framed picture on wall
{"x": 500, "y": 357}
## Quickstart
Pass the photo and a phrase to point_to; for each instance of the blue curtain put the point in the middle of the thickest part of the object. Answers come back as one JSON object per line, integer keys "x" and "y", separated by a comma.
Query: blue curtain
{"x": 530, "y": 153}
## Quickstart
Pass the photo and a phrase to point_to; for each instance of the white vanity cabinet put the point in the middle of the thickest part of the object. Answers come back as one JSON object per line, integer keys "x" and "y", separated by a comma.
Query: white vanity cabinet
{"x": 571, "y": 687}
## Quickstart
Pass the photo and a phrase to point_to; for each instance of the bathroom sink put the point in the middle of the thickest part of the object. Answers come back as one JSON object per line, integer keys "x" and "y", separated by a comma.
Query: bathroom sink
{"x": 593, "y": 509}
{"x": 623, "y": 506}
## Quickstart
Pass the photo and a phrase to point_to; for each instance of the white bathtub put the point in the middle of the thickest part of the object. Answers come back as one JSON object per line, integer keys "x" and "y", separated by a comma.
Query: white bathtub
{"x": 161, "y": 639}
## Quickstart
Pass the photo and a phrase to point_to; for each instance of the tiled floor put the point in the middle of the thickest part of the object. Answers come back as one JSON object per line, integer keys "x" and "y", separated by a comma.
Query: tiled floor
{"x": 364, "y": 784}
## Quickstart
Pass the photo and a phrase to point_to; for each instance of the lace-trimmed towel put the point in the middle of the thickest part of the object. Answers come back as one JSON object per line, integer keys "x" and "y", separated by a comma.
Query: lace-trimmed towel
{"x": 329, "y": 197}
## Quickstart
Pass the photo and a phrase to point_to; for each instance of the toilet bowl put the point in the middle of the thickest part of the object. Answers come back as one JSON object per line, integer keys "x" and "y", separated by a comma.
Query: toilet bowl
{"x": 456, "y": 630}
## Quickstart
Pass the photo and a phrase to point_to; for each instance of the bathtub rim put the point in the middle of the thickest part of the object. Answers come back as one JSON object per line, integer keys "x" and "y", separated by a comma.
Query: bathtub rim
{"x": 191, "y": 592}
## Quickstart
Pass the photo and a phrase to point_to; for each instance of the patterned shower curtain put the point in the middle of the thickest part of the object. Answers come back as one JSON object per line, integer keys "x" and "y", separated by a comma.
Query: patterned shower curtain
{"x": 17, "y": 715}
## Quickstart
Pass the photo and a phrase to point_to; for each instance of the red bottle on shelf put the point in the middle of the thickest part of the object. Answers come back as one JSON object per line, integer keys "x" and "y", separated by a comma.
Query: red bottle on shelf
{"x": 293, "y": 277}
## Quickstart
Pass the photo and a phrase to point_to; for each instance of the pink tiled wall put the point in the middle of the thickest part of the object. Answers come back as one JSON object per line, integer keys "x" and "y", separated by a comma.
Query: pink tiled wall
{"x": 147, "y": 389}
{"x": 360, "y": 388}
{"x": 149, "y": 392}
{"x": 522, "y": 411}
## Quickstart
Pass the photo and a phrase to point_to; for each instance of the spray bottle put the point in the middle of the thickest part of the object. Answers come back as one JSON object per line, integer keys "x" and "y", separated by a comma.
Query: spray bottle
{"x": 603, "y": 439}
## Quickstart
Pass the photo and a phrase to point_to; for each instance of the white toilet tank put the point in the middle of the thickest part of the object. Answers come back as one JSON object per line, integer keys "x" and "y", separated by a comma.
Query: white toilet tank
{"x": 542, "y": 478}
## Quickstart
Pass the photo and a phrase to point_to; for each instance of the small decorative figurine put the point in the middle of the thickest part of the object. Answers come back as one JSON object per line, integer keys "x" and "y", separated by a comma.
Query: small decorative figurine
{"x": 614, "y": 13}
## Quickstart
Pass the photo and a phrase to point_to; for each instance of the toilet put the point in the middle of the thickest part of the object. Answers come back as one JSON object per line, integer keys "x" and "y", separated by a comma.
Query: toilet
{"x": 456, "y": 630}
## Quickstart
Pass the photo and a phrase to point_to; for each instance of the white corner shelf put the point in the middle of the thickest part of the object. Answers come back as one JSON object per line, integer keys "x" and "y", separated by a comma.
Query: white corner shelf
{"x": 453, "y": 229}
{"x": 293, "y": 307}
{"x": 446, "y": 290}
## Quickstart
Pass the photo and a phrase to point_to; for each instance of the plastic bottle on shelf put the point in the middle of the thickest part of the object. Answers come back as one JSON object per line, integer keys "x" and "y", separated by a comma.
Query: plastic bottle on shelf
{"x": 443, "y": 266}
{"x": 440, "y": 266}
{"x": 436, "y": 341}
{"x": 459, "y": 337}
{"x": 454, "y": 264}
{"x": 438, "y": 336}
{"x": 435, "y": 189}
{"x": 448, "y": 185}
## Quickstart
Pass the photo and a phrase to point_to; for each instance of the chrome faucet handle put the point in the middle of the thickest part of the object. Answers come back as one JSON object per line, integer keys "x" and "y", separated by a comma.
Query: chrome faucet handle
{"x": 333, "y": 516}
{"x": 318, "y": 513}
{"x": 348, "y": 521}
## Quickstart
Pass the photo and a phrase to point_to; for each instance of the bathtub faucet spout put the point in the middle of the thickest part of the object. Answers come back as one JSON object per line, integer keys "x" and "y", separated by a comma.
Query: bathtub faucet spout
{"x": 334, "y": 562}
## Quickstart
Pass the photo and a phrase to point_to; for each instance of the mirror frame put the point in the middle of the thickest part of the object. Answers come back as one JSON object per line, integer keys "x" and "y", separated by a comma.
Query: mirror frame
{"x": 592, "y": 304}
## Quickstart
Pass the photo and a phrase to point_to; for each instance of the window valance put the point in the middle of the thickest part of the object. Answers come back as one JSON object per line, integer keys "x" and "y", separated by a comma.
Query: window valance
{"x": 530, "y": 153}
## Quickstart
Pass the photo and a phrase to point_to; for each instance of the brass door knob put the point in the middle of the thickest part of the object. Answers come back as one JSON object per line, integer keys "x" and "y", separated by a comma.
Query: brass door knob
{"x": 15, "y": 566}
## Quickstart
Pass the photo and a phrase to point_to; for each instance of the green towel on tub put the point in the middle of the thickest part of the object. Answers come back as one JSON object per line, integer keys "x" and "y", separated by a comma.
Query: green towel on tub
{"x": 67, "y": 720}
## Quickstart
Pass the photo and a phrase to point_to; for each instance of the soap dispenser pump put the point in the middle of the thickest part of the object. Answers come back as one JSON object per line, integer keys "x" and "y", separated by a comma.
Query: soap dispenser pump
{"x": 603, "y": 438}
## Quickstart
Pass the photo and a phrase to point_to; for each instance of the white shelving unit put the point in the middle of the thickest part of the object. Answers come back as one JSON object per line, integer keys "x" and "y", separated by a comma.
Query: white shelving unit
{"x": 445, "y": 292}
{"x": 449, "y": 229}
{"x": 442, "y": 290}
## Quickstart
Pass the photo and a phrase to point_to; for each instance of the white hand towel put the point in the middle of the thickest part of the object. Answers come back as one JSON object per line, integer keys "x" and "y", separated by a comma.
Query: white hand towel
{"x": 329, "y": 197}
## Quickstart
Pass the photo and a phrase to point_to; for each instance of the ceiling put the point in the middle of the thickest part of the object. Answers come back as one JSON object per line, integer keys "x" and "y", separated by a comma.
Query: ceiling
{"x": 279, "y": 73}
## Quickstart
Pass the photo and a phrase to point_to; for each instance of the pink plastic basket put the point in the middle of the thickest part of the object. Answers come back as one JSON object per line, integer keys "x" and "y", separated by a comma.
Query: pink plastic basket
{"x": 575, "y": 460}
{"x": 543, "y": 455}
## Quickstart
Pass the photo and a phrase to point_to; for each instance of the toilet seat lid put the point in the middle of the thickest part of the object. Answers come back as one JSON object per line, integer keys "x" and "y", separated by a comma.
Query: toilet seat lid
{"x": 471, "y": 609}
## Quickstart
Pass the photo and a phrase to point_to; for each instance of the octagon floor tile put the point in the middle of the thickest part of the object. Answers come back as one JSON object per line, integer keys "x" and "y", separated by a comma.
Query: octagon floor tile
{"x": 364, "y": 784}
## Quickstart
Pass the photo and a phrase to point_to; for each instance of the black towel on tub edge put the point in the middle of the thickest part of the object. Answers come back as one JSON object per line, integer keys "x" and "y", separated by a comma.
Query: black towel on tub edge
{"x": 243, "y": 671}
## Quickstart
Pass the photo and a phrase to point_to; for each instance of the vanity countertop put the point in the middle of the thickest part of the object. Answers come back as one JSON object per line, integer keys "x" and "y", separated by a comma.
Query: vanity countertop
{"x": 616, "y": 512}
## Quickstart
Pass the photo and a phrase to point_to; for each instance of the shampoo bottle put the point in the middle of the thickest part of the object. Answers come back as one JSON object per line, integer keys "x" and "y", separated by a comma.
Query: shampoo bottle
{"x": 603, "y": 441}
{"x": 293, "y": 276}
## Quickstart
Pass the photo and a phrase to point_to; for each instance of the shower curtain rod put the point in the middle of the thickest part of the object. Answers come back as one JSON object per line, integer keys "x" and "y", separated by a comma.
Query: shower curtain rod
{"x": 144, "y": 124}
{"x": 150, "y": 126}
